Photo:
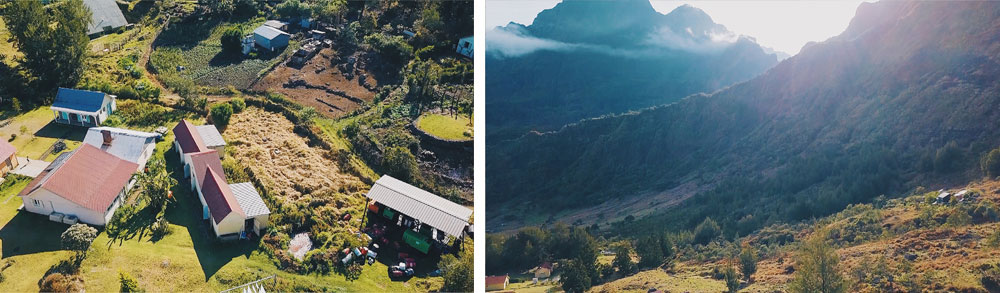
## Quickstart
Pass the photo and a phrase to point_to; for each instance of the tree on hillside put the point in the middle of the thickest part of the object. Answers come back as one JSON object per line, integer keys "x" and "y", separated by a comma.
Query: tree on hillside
{"x": 623, "y": 260}
{"x": 400, "y": 163}
{"x": 221, "y": 113}
{"x": 430, "y": 25}
{"x": 332, "y": 10}
{"x": 817, "y": 268}
{"x": 575, "y": 279}
{"x": 458, "y": 271}
{"x": 732, "y": 280}
{"x": 650, "y": 252}
{"x": 748, "y": 262}
{"x": 293, "y": 9}
{"x": 54, "y": 43}
{"x": 231, "y": 40}
{"x": 706, "y": 231}
{"x": 990, "y": 163}
{"x": 78, "y": 239}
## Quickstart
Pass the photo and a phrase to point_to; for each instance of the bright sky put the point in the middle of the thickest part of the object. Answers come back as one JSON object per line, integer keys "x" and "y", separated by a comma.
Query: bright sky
{"x": 782, "y": 25}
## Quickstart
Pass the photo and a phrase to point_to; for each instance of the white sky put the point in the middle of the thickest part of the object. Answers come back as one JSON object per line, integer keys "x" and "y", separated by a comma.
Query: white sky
{"x": 783, "y": 25}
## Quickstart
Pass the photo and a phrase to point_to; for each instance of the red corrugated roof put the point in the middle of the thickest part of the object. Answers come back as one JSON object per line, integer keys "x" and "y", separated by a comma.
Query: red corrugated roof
{"x": 220, "y": 199}
{"x": 187, "y": 136}
{"x": 200, "y": 162}
{"x": 90, "y": 178}
{"x": 6, "y": 150}
{"x": 496, "y": 280}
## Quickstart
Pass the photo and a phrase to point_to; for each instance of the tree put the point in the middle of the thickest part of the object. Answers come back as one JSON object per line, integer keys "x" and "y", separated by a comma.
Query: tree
{"x": 458, "y": 271}
{"x": 947, "y": 158}
{"x": 816, "y": 268}
{"x": 128, "y": 284}
{"x": 306, "y": 115}
{"x": 293, "y": 9}
{"x": 232, "y": 40}
{"x": 400, "y": 163}
{"x": 575, "y": 279}
{"x": 78, "y": 239}
{"x": 238, "y": 105}
{"x": 732, "y": 281}
{"x": 54, "y": 43}
{"x": 333, "y": 10}
{"x": 990, "y": 163}
{"x": 15, "y": 105}
{"x": 650, "y": 252}
{"x": 748, "y": 262}
{"x": 706, "y": 231}
{"x": 154, "y": 184}
{"x": 667, "y": 247}
{"x": 220, "y": 114}
{"x": 429, "y": 26}
{"x": 623, "y": 260}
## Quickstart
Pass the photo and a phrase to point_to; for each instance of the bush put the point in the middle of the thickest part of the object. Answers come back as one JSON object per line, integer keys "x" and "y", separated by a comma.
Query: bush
{"x": 990, "y": 163}
{"x": 231, "y": 40}
{"x": 238, "y": 105}
{"x": 400, "y": 163}
{"x": 57, "y": 282}
{"x": 947, "y": 158}
{"x": 128, "y": 284}
{"x": 15, "y": 105}
{"x": 78, "y": 239}
{"x": 393, "y": 48}
{"x": 706, "y": 231}
{"x": 160, "y": 228}
{"x": 220, "y": 114}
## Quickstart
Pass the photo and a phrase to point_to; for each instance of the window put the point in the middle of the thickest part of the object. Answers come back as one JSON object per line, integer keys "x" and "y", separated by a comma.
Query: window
{"x": 37, "y": 203}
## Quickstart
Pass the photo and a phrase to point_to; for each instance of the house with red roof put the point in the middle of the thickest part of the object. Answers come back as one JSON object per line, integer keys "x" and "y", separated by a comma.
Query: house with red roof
{"x": 190, "y": 139}
{"x": 85, "y": 185}
{"x": 496, "y": 283}
{"x": 7, "y": 159}
{"x": 233, "y": 210}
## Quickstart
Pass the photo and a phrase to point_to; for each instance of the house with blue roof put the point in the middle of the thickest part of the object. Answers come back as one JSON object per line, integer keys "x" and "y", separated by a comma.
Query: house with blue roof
{"x": 270, "y": 38}
{"x": 82, "y": 108}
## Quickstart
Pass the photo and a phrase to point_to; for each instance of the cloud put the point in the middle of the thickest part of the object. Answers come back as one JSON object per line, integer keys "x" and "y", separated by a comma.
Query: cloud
{"x": 513, "y": 41}
{"x": 696, "y": 42}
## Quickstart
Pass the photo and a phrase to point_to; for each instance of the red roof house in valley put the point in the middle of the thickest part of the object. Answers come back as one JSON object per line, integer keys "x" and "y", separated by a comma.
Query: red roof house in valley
{"x": 86, "y": 185}
{"x": 233, "y": 210}
{"x": 7, "y": 159}
{"x": 495, "y": 283}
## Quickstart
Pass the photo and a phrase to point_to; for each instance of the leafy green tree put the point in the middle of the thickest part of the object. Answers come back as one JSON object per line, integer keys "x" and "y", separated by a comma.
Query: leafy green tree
{"x": 458, "y": 271}
{"x": 128, "y": 284}
{"x": 650, "y": 252}
{"x": 231, "y": 40}
{"x": 333, "y": 10}
{"x": 78, "y": 239}
{"x": 154, "y": 184}
{"x": 293, "y": 9}
{"x": 623, "y": 260}
{"x": 393, "y": 48}
{"x": 947, "y": 158}
{"x": 732, "y": 280}
{"x": 430, "y": 25}
{"x": 990, "y": 163}
{"x": 707, "y": 231}
{"x": 220, "y": 114}
{"x": 15, "y": 105}
{"x": 400, "y": 163}
{"x": 667, "y": 246}
{"x": 816, "y": 269}
{"x": 238, "y": 105}
{"x": 54, "y": 42}
{"x": 748, "y": 262}
{"x": 575, "y": 279}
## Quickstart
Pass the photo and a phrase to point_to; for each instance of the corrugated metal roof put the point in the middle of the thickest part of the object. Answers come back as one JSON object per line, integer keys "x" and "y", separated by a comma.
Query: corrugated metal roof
{"x": 268, "y": 32}
{"x": 186, "y": 135}
{"x": 249, "y": 199}
{"x": 80, "y": 100}
{"x": 126, "y": 144}
{"x": 430, "y": 209}
{"x": 210, "y": 135}
{"x": 104, "y": 13}
{"x": 275, "y": 24}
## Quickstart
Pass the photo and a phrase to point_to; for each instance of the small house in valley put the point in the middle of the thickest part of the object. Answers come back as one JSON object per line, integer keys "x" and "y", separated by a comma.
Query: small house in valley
{"x": 543, "y": 271}
{"x": 235, "y": 211}
{"x": 464, "y": 47}
{"x": 270, "y": 38}
{"x": 277, "y": 24}
{"x": 105, "y": 17}
{"x": 82, "y": 108}
{"x": 85, "y": 185}
{"x": 130, "y": 145}
{"x": 8, "y": 160}
{"x": 497, "y": 283}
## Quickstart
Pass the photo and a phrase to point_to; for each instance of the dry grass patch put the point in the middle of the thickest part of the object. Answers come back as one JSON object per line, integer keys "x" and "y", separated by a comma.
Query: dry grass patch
{"x": 266, "y": 143}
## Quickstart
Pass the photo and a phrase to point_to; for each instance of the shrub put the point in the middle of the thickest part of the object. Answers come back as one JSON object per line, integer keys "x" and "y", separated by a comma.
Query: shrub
{"x": 393, "y": 48}
{"x": 57, "y": 282}
{"x": 220, "y": 114}
{"x": 231, "y": 40}
{"x": 958, "y": 218}
{"x": 400, "y": 163}
{"x": 78, "y": 239}
{"x": 947, "y": 158}
{"x": 990, "y": 163}
{"x": 128, "y": 284}
{"x": 732, "y": 281}
{"x": 748, "y": 262}
{"x": 160, "y": 228}
{"x": 238, "y": 105}
{"x": 706, "y": 231}
{"x": 15, "y": 105}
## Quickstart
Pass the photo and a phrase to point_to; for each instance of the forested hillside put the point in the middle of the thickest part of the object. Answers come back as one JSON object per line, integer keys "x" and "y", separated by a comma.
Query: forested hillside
{"x": 584, "y": 59}
{"x": 906, "y": 94}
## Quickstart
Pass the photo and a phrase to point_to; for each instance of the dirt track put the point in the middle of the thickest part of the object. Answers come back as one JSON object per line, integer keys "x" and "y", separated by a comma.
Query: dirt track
{"x": 319, "y": 84}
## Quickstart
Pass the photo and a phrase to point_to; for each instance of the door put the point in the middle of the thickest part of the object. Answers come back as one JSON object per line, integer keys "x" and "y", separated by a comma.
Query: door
{"x": 249, "y": 226}
{"x": 204, "y": 212}
{"x": 74, "y": 118}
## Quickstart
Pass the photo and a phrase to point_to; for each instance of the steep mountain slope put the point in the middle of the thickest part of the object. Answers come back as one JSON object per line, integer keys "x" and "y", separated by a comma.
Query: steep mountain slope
{"x": 862, "y": 114}
{"x": 584, "y": 59}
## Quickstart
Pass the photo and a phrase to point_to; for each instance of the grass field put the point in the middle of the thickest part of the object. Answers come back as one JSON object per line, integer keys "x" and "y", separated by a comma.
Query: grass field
{"x": 39, "y": 133}
{"x": 197, "y": 44}
{"x": 446, "y": 126}
{"x": 6, "y": 48}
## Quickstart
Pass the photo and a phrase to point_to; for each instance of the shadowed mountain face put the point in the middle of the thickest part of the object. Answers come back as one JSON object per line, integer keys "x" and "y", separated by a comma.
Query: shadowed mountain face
{"x": 907, "y": 94}
{"x": 583, "y": 59}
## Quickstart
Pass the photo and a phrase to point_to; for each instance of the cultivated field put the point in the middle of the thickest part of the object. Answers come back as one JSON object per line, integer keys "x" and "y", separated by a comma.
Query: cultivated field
{"x": 320, "y": 84}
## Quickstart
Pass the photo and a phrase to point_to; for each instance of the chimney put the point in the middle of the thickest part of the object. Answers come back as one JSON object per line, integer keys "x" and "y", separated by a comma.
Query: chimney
{"x": 107, "y": 137}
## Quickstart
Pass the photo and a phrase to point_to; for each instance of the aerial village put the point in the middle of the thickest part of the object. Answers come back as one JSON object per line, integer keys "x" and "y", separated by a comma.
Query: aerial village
{"x": 242, "y": 145}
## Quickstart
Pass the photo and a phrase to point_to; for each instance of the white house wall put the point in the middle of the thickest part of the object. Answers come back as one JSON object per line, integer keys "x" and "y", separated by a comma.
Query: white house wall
{"x": 51, "y": 202}
{"x": 231, "y": 224}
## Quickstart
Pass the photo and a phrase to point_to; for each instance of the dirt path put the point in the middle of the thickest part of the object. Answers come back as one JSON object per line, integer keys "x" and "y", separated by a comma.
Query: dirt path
{"x": 169, "y": 96}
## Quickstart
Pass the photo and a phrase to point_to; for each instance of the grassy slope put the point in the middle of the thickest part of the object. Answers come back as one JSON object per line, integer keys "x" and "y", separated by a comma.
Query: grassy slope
{"x": 6, "y": 48}
{"x": 445, "y": 126}
{"x": 40, "y": 133}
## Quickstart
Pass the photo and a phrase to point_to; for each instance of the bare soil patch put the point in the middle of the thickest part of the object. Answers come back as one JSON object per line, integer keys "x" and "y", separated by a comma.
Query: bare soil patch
{"x": 325, "y": 82}
{"x": 266, "y": 143}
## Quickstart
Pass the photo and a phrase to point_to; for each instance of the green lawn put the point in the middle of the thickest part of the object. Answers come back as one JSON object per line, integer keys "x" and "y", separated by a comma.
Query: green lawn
{"x": 446, "y": 126}
{"x": 39, "y": 133}
{"x": 6, "y": 48}
{"x": 187, "y": 259}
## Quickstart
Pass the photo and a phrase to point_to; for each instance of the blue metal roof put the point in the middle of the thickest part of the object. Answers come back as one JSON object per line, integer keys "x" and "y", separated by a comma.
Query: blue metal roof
{"x": 80, "y": 100}
{"x": 268, "y": 32}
